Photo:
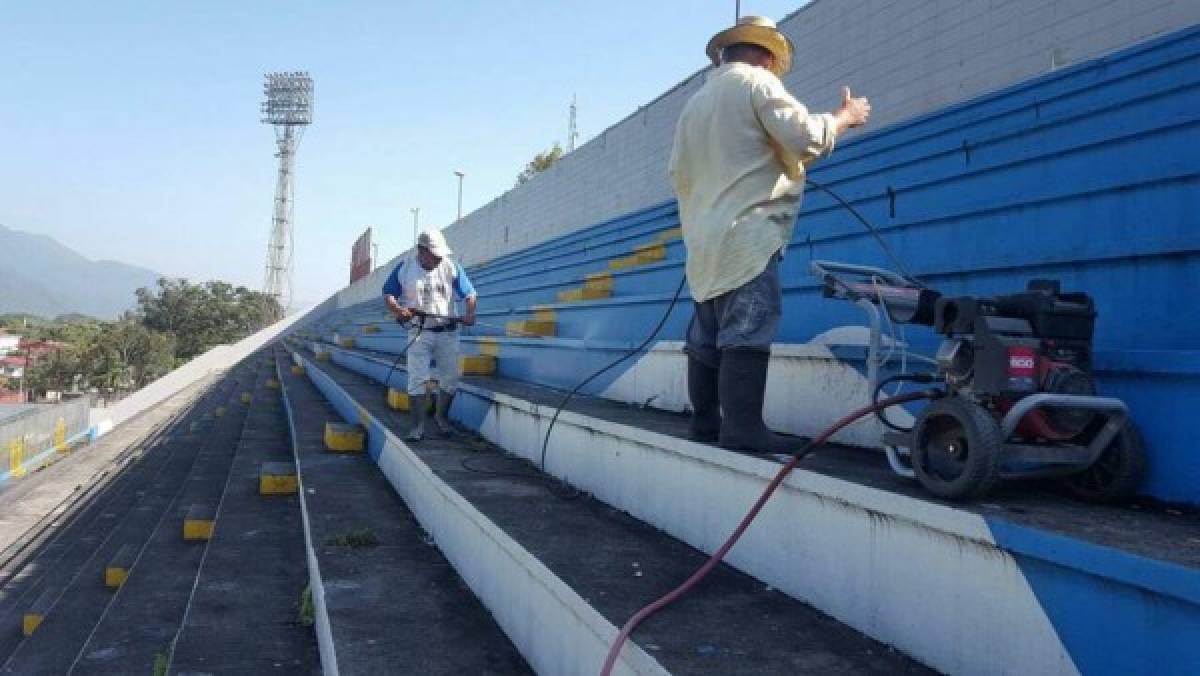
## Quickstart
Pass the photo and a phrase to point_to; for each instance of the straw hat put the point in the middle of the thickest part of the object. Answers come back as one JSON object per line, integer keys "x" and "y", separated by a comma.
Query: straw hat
{"x": 754, "y": 30}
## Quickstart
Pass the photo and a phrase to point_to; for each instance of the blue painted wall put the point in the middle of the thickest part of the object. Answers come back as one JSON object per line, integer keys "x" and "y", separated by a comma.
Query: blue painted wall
{"x": 1089, "y": 175}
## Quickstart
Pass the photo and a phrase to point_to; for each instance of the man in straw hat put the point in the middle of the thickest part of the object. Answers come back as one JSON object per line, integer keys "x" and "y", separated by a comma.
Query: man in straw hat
{"x": 424, "y": 288}
{"x": 741, "y": 146}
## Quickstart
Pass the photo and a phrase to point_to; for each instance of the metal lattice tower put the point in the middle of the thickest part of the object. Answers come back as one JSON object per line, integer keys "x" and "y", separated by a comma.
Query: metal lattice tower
{"x": 288, "y": 108}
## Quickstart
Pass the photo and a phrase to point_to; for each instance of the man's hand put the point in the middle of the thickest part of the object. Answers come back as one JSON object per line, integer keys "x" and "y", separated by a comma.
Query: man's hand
{"x": 468, "y": 319}
{"x": 853, "y": 111}
{"x": 403, "y": 314}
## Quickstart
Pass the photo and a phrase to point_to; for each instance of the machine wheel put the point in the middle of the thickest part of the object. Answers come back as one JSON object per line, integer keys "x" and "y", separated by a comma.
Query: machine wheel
{"x": 1116, "y": 475}
{"x": 957, "y": 449}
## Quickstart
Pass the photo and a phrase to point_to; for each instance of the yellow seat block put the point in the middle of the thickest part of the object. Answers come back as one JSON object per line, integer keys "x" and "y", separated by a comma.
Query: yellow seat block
{"x": 599, "y": 281}
{"x": 30, "y": 622}
{"x": 544, "y": 314}
{"x": 246, "y": 397}
{"x": 344, "y": 437}
{"x": 670, "y": 234}
{"x": 489, "y": 346}
{"x": 197, "y": 529}
{"x": 398, "y": 400}
{"x": 272, "y": 384}
{"x": 575, "y": 295}
{"x": 370, "y": 328}
{"x": 297, "y": 370}
{"x": 115, "y": 576}
{"x": 650, "y": 253}
{"x": 477, "y": 365}
{"x": 622, "y": 263}
{"x": 117, "y": 570}
{"x": 220, "y": 411}
{"x": 345, "y": 342}
{"x": 322, "y": 356}
{"x": 529, "y": 327}
{"x": 278, "y": 478}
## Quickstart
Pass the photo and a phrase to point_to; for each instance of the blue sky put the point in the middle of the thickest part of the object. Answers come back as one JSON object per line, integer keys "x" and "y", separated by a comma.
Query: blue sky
{"x": 129, "y": 130}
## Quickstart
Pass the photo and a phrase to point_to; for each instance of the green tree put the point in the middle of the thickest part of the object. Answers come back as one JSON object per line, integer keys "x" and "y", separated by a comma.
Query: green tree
{"x": 540, "y": 162}
{"x": 56, "y": 371}
{"x": 200, "y": 316}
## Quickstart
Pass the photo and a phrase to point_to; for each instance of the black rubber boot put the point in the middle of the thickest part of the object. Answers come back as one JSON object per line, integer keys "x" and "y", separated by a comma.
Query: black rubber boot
{"x": 742, "y": 384}
{"x": 439, "y": 417}
{"x": 706, "y": 405}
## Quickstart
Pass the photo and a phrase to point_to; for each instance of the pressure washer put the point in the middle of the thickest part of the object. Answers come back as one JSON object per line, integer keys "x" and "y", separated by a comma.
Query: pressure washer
{"x": 1020, "y": 396}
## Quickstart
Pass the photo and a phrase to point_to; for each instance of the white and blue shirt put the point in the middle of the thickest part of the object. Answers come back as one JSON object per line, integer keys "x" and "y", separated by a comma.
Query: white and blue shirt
{"x": 430, "y": 291}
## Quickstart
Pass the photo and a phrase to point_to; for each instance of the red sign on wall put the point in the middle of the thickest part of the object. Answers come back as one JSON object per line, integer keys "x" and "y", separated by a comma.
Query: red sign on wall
{"x": 360, "y": 257}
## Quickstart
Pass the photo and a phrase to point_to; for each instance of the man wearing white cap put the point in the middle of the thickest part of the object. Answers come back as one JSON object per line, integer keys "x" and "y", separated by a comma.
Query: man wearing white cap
{"x": 424, "y": 288}
{"x": 737, "y": 167}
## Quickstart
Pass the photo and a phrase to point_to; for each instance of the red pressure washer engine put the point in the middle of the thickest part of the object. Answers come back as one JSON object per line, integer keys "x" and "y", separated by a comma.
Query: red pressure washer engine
{"x": 1020, "y": 399}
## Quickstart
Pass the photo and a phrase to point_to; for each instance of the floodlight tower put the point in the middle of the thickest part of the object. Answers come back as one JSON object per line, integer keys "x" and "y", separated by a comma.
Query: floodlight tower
{"x": 288, "y": 108}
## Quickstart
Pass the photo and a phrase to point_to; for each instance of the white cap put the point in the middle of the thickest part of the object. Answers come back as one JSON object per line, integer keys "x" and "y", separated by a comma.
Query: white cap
{"x": 435, "y": 242}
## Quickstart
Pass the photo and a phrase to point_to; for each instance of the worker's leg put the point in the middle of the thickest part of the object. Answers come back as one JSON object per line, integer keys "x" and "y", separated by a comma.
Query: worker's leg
{"x": 447, "y": 373}
{"x": 417, "y": 359}
{"x": 703, "y": 361}
{"x": 748, "y": 319}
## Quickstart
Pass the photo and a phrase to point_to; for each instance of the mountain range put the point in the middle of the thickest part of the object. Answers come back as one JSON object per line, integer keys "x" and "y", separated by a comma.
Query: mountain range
{"x": 38, "y": 275}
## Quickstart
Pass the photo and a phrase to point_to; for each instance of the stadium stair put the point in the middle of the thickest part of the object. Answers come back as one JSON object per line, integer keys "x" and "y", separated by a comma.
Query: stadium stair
{"x": 561, "y": 573}
{"x": 108, "y": 593}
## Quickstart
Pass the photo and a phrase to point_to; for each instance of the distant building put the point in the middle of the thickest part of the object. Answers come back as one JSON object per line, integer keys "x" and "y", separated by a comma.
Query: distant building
{"x": 13, "y": 367}
{"x": 36, "y": 349}
{"x": 9, "y": 342}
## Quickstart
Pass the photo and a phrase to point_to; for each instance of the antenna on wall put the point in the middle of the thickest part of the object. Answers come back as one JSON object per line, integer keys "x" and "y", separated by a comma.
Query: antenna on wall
{"x": 572, "y": 130}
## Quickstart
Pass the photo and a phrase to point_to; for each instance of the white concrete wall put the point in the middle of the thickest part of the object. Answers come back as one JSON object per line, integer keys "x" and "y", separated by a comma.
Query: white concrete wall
{"x": 216, "y": 359}
{"x": 909, "y": 56}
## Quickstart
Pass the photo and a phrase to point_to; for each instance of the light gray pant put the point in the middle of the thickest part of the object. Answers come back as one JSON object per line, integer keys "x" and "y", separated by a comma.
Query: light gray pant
{"x": 746, "y": 318}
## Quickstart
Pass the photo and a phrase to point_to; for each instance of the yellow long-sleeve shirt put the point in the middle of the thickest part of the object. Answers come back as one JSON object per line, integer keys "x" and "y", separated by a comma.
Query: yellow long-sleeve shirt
{"x": 737, "y": 167}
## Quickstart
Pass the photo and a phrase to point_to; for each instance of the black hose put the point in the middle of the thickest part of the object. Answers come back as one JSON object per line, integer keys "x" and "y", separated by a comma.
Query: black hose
{"x": 871, "y": 229}
{"x": 653, "y": 334}
{"x": 900, "y": 377}
{"x": 403, "y": 352}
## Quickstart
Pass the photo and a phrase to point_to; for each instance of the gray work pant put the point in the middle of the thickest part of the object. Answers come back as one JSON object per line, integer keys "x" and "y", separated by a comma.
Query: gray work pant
{"x": 746, "y": 318}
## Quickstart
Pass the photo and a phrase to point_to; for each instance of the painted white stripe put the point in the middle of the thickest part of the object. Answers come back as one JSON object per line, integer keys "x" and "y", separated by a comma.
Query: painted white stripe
{"x": 322, "y": 625}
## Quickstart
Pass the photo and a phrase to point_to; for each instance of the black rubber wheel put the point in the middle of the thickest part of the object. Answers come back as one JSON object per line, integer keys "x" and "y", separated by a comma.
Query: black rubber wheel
{"x": 1116, "y": 475}
{"x": 957, "y": 449}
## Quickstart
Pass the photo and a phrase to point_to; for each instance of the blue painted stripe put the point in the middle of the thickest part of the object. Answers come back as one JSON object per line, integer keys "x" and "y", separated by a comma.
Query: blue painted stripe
{"x": 1116, "y": 613}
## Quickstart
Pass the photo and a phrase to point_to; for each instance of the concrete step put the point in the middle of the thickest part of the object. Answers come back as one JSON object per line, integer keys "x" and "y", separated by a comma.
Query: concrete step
{"x": 243, "y": 612}
{"x": 89, "y": 537}
{"x": 143, "y": 618}
{"x": 381, "y": 595}
{"x": 862, "y": 544}
{"x": 538, "y": 560}
{"x": 85, "y": 599}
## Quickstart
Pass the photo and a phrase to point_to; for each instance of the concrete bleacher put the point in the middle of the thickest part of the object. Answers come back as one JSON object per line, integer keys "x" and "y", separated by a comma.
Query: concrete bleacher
{"x": 118, "y": 580}
{"x": 1026, "y": 581}
{"x": 214, "y": 543}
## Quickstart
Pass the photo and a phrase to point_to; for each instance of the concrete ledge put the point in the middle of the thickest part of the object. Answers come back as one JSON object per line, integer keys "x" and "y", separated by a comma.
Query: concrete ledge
{"x": 926, "y": 578}
{"x": 555, "y": 629}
